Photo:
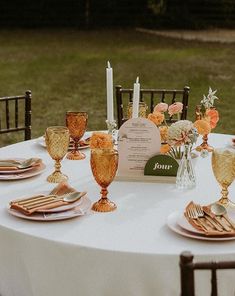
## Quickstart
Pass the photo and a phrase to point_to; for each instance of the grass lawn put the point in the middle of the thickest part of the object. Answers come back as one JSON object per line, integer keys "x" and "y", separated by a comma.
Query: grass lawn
{"x": 65, "y": 70}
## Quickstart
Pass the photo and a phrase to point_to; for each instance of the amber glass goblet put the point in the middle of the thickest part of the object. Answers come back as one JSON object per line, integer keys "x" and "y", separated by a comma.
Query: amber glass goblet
{"x": 223, "y": 165}
{"x": 57, "y": 143}
{"x": 104, "y": 163}
{"x": 76, "y": 123}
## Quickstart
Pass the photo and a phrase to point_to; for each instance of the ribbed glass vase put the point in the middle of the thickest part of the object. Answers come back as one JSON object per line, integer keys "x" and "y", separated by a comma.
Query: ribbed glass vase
{"x": 186, "y": 178}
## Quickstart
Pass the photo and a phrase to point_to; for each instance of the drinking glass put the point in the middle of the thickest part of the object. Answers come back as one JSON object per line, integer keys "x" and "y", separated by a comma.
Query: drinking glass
{"x": 223, "y": 165}
{"x": 104, "y": 163}
{"x": 76, "y": 123}
{"x": 57, "y": 143}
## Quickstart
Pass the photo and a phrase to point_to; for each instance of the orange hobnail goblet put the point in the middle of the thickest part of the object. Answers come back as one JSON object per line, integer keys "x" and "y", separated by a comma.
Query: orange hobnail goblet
{"x": 76, "y": 123}
{"x": 104, "y": 163}
{"x": 57, "y": 143}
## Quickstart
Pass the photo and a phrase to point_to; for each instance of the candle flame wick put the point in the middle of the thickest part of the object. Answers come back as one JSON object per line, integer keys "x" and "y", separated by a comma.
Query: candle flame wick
{"x": 109, "y": 66}
{"x": 137, "y": 79}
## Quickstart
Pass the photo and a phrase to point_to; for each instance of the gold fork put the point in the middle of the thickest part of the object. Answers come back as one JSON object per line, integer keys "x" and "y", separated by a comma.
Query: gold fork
{"x": 201, "y": 214}
{"x": 192, "y": 214}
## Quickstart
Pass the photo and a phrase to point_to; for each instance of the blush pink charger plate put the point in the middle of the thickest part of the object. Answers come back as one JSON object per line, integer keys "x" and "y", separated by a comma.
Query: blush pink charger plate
{"x": 61, "y": 213}
{"x": 22, "y": 173}
{"x": 178, "y": 223}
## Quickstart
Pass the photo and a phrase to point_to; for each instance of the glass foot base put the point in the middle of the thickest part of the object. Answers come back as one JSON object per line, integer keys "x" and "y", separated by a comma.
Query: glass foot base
{"x": 204, "y": 147}
{"x": 104, "y": 205}
{"x": 57, "y": 177}
{"x": 75, "y": 155}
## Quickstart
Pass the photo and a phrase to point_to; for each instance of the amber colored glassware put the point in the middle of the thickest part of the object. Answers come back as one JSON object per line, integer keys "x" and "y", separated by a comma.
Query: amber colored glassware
{"x": 57, "y": 143}
{"x": 143, "y": 107}
{"x": 104, "y": 163}
{"x": 223, "y": 165}
{"x": 76, "y": 123}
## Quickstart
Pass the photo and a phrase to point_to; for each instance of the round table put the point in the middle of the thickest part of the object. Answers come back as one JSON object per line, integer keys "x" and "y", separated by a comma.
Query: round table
{"x": 130, "y": 251}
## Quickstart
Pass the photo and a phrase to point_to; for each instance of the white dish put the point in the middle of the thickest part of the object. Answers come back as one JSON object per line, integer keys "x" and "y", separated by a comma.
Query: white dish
{"x": 63, "y": 208}
{"x": 172, "y": 223}
{"x": 23, "y": 175}
{"x": 45, "y": 217}
{"x": 41, "y": 142}
{"x": 17, "y": 170}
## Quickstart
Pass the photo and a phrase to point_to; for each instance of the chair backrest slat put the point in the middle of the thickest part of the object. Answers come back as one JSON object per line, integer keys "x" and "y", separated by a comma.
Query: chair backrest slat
{"x": 151, "y": 97}
{"x": 187, "y": 268}
{"x": 16, "y": 113}
{"x": 14, "y": 119}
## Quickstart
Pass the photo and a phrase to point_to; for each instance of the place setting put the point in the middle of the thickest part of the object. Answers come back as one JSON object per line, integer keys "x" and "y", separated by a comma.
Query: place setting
{"x": 63, "y": 202}
{"x": 216, "y": 221}
{"x": 20, "y": 168}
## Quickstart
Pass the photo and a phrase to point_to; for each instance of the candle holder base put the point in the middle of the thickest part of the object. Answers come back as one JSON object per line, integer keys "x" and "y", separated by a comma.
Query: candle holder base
{"x": 111, "y": 125}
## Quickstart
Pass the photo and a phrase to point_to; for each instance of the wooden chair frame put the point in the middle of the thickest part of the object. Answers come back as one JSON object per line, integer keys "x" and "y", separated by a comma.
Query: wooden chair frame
{"x": 187, "y": 267}
{"x": 151, "y": 93}
{"x": 27, "y": 115}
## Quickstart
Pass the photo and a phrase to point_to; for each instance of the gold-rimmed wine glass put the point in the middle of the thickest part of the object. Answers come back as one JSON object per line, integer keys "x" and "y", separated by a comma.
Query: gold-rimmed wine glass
{"x": 57, "y": 143}
{"x": 76, "y": 122}
{"x": 104, "y": 163}
{"x": 223, "y": 165}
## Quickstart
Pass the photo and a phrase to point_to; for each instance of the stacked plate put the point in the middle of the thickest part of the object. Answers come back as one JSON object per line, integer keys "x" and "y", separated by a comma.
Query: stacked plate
{"x": 82, "y": 144}
{"x": 44, "y": 210}
{"x": 179, "y": 224}
{"x": 20, "y": 168}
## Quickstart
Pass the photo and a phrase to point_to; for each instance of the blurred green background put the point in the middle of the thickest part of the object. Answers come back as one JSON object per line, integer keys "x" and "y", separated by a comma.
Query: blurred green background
{"x": 65, "y": 70}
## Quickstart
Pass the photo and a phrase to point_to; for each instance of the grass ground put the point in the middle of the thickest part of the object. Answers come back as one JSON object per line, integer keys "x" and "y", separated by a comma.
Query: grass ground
{"x": 65, "y": 70}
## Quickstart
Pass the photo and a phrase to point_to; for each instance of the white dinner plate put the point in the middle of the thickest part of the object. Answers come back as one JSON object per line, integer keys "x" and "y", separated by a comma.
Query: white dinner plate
{"x": 64, "y": 207}
{"x": 41, "y": 141}
{"x": 172, "y": 223}
{"x": 23, "y": 175}
{"x": 45, "y": 217}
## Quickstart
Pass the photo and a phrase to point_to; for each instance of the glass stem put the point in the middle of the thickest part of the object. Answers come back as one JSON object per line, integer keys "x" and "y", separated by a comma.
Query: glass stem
{"x": 104, "y": 193}
{"x": 57, "y": 166}
{"x": 224, "y": 199}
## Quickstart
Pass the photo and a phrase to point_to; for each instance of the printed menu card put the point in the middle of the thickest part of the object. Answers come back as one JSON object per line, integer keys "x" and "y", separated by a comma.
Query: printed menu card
{"x": 138, "y": 140}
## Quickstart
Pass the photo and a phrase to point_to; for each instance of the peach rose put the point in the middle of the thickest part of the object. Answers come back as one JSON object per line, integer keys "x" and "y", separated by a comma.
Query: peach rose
{"x": 175, "y": 108}
{"x": 156, "y": 117}
{"x": 163, "y": 132}
{"x": 213, "y": 117}
{"x": 202, "y": 126}
{"x": 101, "y": 140}
{"x": 161, "y": 107}
{"x": 165, "y": 148}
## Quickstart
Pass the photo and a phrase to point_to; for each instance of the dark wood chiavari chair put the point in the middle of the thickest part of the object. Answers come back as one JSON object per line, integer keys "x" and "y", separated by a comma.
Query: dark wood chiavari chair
{"x": 151, "y": 97}
{"x": 15, "y": 114}
{"x": 187, "y": 268}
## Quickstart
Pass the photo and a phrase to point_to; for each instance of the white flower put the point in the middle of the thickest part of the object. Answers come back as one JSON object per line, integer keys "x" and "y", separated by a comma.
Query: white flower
{"x": 208, "y": 101}
{"x": 182, "y": 132}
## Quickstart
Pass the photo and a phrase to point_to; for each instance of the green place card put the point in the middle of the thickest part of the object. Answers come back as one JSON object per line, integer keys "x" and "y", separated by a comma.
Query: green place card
{"x": 161, "y": 165}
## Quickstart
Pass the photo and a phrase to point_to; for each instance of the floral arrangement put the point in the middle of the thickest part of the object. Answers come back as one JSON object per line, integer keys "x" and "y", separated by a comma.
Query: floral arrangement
{"x": 207, "y": 113}
{"x": 101, "y": 140}
{"x": 158, "y": 116}
{"x": 182, "y": 132}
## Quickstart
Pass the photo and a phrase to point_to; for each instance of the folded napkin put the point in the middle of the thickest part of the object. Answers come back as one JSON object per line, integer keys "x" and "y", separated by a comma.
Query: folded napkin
{"x": 14, "y": 164}
{"x": 42, "y": 202}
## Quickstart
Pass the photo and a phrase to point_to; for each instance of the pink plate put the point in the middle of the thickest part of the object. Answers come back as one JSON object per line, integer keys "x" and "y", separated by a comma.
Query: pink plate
{"x": 172, "y": 223}
{"x": 45, "y": 217}
{"x": 23, "y": 175}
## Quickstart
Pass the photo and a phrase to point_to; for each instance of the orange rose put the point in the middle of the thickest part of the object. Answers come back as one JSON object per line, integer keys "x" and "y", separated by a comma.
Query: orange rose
{"x": 213, "y": 117}
{"x": 101, "y": 140}
{"x": 165, "y": 148}
{"x": 156, "y": 117}
{"x": 163, "y": 132}
{"x": 202, "y": 126}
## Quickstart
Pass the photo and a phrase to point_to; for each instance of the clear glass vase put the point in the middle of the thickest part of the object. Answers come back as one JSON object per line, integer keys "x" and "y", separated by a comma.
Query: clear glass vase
{"x": 186, "y": 178}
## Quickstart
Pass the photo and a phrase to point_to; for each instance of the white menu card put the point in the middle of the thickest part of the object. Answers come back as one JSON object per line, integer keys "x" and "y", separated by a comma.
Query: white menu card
{"x": 138, "y": 140}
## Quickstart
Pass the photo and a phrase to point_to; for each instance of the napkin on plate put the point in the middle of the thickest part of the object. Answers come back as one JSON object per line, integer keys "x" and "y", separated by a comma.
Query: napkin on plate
{"x": 61, "y": 189}
{"x": 15, "y": 164}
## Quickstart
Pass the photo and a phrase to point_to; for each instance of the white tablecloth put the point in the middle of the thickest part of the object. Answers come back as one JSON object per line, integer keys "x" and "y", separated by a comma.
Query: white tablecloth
{"x": 127, "y": 252}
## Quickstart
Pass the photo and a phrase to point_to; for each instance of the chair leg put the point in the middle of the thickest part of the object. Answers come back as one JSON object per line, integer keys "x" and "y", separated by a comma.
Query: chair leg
{"x": 187, "y": 274}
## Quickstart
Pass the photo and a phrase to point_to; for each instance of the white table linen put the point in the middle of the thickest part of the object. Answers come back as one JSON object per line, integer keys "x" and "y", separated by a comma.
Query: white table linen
{"x": 127, "y": 252}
